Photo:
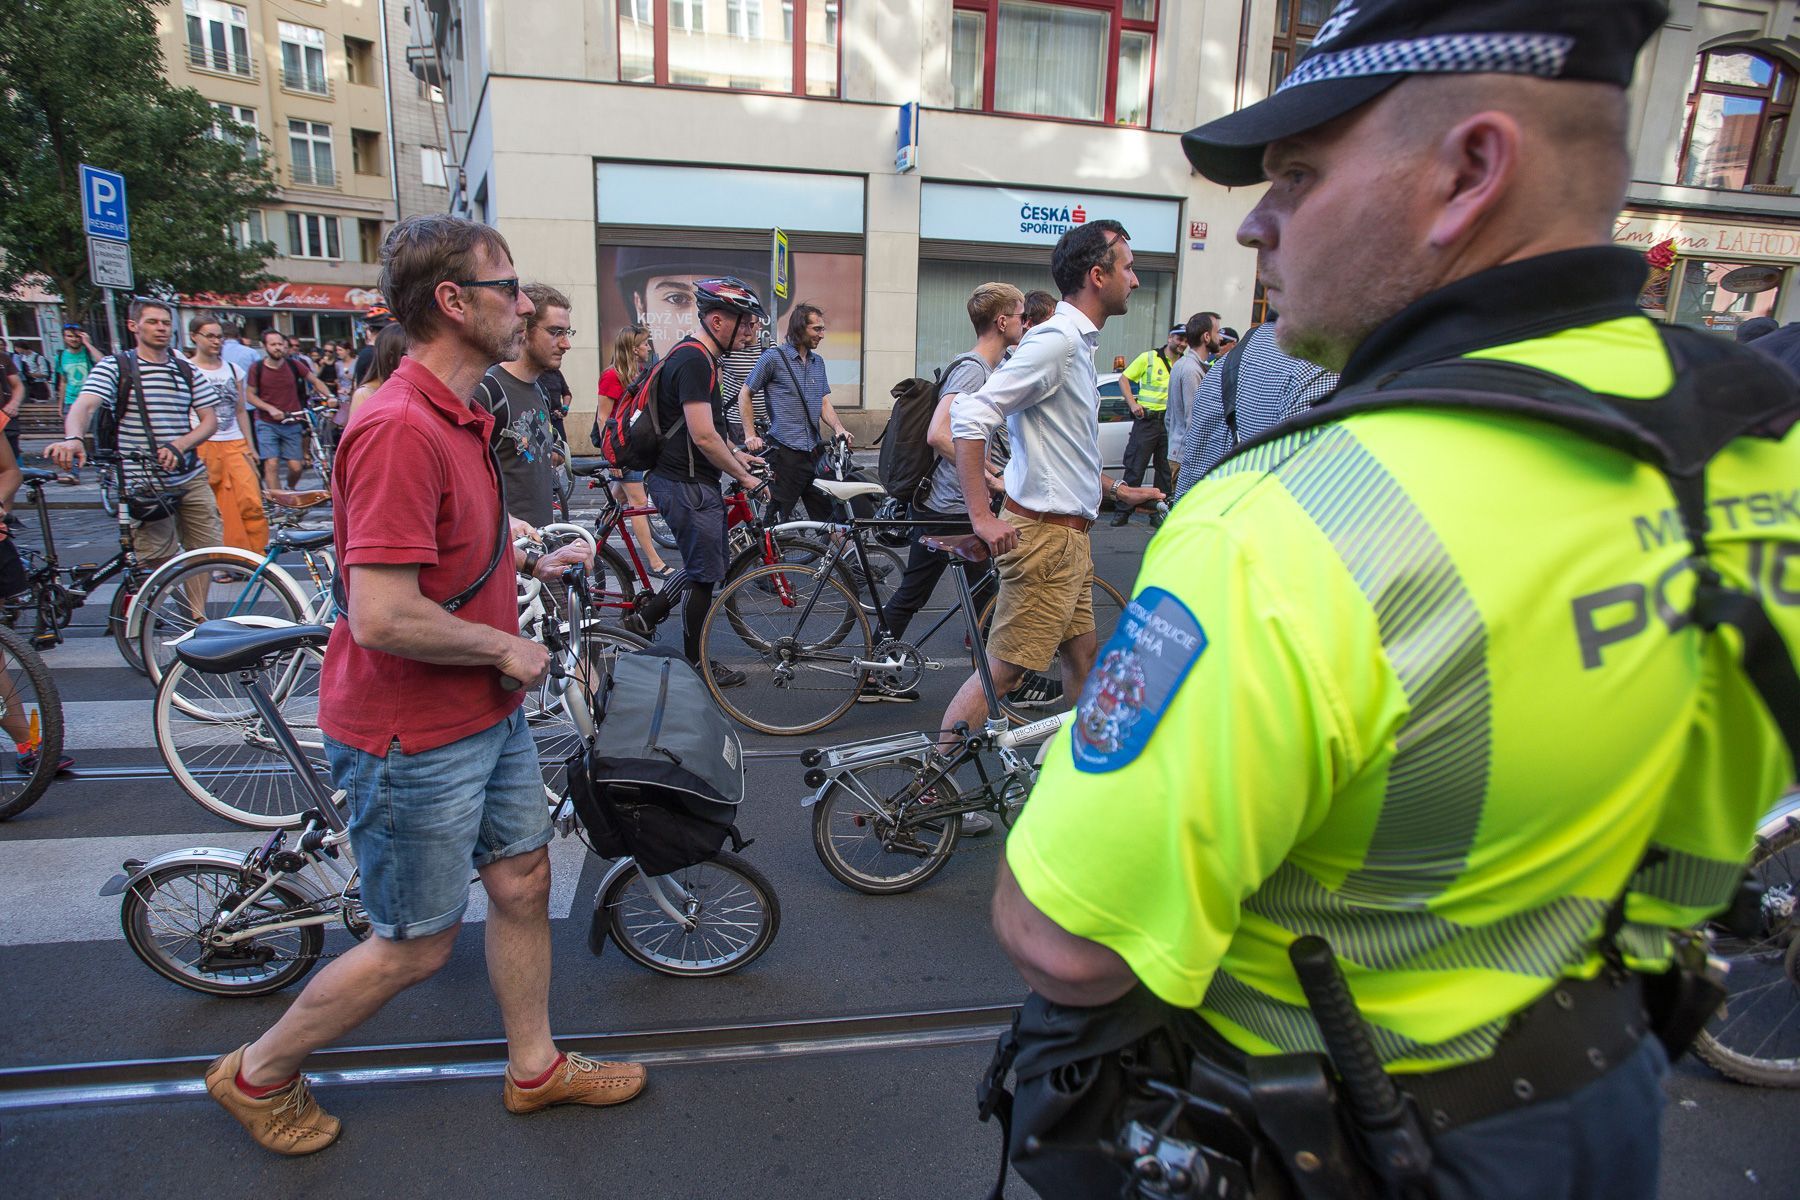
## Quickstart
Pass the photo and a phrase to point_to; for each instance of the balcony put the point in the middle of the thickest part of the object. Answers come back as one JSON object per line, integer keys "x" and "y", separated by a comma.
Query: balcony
{"x": 216, "y": 61}
{"x": 311, "y": 83}
{"x": 303, "y": 174}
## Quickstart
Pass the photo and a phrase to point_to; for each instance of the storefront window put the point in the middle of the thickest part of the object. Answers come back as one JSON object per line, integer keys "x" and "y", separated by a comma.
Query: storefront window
{"x": 759, "y": 46}
{"x": 1055, "y": 58}
{"x": 653, "y": 286}
{"x": 1739, "y": 107}
{"x": 1723, "y": 295}
{"x": 945, "y": 332}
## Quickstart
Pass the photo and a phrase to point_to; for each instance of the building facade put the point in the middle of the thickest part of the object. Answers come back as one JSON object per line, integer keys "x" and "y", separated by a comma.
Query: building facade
{"x": 310, "y": 77}
{"x": 421, "y": 175}
{"x": 627, "y": 147}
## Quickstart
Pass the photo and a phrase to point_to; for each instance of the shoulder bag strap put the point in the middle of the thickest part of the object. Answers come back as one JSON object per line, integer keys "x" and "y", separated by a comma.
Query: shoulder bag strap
{"x": 801, "y": 393}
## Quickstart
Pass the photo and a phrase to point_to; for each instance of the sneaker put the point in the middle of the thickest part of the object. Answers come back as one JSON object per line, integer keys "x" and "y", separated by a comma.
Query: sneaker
{"x": 976, "y": 824}
{"x": 28, "y": 761}
{"x": 724, "y": 676}
{"x": 1122, "y": 517}
{"x": 288, "y": 1121}
{"x": 1038, "y": 691}
{"x": 874, "y": 693}
{"x": 577, "y": 1080}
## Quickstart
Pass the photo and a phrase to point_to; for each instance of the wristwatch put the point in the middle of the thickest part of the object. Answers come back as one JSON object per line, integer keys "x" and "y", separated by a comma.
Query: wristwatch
{"x": 1114, "y": 493}
{"x": 533, "y": 556}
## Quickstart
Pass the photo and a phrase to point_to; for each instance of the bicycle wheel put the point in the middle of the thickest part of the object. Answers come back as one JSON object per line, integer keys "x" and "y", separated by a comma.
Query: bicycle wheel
{"x": 32, "y": 718}
{"x": 614, "y": 582}
{"x": 208, "y": 588}
{"x": 168, "y": 914}
{"x": 1755, "y": 1035}
{"x": 545, "y": 711}
{"x": 224, "y": 758}
{"x": 118, "y": 623}
{"x": 733, "y": 906}
{"x": 1041, "y": 692}
{"x": 857, "y": 835}
{"x": 797, "y": 675}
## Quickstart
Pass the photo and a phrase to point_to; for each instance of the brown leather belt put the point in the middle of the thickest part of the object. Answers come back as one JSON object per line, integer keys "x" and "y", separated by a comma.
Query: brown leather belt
{"x": 1078, "y": 524}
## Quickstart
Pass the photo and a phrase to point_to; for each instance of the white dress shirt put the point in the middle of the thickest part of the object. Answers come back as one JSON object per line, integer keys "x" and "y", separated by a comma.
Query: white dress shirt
{"x": 1048, "y": 397}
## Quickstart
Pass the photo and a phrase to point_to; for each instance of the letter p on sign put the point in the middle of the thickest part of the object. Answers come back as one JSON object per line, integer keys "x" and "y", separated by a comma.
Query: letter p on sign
{"x": 103, "y": 209}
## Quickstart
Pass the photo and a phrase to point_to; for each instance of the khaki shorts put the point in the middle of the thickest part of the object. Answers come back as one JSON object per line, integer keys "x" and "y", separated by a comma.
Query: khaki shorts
{"x": 195, "y": 524}
{"x": 1046, "y": 593}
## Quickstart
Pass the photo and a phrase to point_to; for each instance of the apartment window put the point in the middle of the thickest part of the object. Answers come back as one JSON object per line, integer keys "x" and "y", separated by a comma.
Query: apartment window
{"x": 309, "y": 149}
{"x": 1297, "y": 22}
{"x": 303, "y": 59}
{"x": 368, "y": 239}
{"x": 743, "y": 18}
{"x": 313, "y": 235}
{"x": 365, "y": 152}
{"x": 218, "y": 37}
{"x": 1080, "y": 60}
{"x": 431, "y": 167}
{"x": 359, "y": 60}
{"x": 1740, "y": 105}
{"x": 669, "y": 41}
{"x": 230, "y": 115}
{"x": 242, "y": 233}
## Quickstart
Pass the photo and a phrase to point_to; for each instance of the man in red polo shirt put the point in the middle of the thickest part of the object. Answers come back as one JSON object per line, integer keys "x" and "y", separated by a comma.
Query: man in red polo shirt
{"x": 422, "y": 733}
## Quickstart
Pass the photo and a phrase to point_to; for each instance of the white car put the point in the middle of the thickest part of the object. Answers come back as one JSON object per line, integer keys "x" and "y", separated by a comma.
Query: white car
{"x": 1115, "y": 425}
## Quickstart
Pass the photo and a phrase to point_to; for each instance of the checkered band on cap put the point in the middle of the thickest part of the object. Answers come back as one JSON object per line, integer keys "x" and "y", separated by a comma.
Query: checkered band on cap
{"x": 1541, "y": 54}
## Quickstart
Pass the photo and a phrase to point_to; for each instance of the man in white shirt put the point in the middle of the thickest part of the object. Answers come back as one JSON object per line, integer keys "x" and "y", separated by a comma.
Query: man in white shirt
{"x": 1048, "y": 397}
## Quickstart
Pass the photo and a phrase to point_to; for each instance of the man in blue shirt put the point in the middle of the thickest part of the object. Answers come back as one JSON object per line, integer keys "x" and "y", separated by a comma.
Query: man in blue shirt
{"x": 792, "y": 375}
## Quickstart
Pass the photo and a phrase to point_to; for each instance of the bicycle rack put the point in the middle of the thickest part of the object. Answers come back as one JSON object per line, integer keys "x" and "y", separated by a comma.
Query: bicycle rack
{"x": 824, "y": 763}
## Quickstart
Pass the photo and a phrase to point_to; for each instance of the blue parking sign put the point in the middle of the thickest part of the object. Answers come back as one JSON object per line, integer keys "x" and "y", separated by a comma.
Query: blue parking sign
{"x": 103, "y": 204}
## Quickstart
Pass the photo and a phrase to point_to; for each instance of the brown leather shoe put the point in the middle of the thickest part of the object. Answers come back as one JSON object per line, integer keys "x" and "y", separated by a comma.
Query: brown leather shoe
{"x": 289, "y": 1121}
{"x": 578, "y": 1080}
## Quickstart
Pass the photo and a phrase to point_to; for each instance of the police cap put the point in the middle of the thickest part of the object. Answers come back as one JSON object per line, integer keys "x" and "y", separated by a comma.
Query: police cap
{"x": 1367, "y": 46}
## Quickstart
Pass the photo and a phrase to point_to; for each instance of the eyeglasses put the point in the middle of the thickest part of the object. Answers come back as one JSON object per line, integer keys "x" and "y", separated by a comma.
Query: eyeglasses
{"x": 559, "y": 332}
{"x": 507, "y": 287}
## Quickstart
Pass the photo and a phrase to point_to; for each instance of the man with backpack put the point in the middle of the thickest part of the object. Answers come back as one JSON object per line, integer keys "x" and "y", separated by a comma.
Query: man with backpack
{"x": 155, "y": 403}
{"x": 524, "y": 439}
{"x": 1422, "y": 739}
{"x": 997, "y": 312}
{"x": 1184, "y": 379}
{"x": 691, "y": 450}
{"x": 278, "y": 386}
{"x": 1246, "y": 393}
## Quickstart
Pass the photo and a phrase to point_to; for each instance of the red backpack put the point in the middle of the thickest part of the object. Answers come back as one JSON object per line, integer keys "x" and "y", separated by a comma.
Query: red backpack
{"x": 633, "y": 436}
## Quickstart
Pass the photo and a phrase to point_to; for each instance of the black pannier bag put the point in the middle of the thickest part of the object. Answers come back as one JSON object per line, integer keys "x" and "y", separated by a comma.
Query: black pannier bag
{"x": 665, "y": 774}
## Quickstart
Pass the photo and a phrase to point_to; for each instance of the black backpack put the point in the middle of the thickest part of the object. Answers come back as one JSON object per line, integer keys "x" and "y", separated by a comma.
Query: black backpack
{"x": 105, "y": 424}
{"x": 906, "y": 456}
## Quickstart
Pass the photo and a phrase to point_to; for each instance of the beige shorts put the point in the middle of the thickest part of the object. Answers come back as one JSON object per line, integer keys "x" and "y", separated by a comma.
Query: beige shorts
{"x": 195, "y": 524}
{"x": 1046, "y": 593}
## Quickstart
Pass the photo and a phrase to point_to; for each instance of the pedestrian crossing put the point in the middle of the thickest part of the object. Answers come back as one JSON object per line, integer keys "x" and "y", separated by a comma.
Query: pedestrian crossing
{"x": 52, "y": 867}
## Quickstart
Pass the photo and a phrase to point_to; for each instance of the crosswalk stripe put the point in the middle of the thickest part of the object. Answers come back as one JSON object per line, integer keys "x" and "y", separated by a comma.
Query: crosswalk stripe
{"x": 49, "y": 888}
{"x": 85, "y": 654}
{"x": 108, "y": 725}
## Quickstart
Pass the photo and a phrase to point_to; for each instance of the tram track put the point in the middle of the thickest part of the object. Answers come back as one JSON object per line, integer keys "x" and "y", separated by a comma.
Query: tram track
{"x": 64, "y": 1085}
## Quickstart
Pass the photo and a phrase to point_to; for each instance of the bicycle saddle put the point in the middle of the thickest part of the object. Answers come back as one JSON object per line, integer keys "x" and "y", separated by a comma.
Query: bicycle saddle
{"x": 311, "y": 499}
{"x": 220, "y": 646}
{"x": 848, "y": 491}
{"x": 589, "y": 466}
{"x": 35, "y": 475}
{"x": 303, "y": 539}
{"x": 969, "y": 547}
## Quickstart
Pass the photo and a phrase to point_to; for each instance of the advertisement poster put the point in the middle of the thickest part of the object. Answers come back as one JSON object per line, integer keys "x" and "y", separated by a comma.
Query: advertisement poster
{"x": 654, "y": 286}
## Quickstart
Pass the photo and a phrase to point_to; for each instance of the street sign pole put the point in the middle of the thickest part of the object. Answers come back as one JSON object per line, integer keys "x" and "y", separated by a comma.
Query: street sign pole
{"x": 112, "y": 321}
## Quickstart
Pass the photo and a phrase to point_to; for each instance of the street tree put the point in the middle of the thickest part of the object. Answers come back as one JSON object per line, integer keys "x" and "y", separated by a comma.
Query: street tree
{"x": 81, "y": 81}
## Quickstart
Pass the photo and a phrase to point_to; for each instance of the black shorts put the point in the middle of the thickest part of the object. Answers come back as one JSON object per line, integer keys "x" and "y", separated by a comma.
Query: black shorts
{"x": 696, "y": 516}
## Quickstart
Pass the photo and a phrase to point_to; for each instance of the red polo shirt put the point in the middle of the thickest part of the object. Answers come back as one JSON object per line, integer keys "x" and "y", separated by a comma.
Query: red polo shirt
{"x": 414, "y": 485}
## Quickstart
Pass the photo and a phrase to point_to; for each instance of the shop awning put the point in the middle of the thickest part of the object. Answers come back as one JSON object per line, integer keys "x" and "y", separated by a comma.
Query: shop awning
{"x": 293, "y": 297}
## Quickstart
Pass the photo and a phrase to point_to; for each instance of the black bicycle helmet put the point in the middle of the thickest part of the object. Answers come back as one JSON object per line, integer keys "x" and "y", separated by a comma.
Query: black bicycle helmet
{"x": 728, "y": 293}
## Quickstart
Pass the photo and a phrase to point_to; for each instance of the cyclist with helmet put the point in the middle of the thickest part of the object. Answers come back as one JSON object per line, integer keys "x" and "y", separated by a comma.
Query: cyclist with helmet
{"x": 378, "y": 317}
{"x": 684, "y": 483}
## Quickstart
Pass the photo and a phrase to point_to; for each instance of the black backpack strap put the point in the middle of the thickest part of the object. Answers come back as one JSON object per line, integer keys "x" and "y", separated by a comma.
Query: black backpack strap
{"x": 1228, "y": 384}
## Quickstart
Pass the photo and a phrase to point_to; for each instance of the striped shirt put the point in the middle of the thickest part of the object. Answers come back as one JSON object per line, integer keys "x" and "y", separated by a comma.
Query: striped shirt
{"x": 734, "y": 368}
{"x": 1272, "y": 385}
{"x": 173, "y": 410}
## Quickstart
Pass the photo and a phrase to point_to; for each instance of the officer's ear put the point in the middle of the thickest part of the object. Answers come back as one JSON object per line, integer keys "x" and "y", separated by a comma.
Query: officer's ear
{"x": 1474, "y": 166}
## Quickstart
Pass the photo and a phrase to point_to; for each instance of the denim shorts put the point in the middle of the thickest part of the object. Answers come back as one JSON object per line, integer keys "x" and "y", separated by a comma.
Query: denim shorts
{"x": 280, "y": 441}
{"x": 421, "y": 823}
{"x": 695, "y": 513}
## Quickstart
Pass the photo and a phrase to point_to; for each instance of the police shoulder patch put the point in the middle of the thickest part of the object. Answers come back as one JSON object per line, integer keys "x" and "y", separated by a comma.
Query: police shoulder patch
{"x": 1135, "y": 676}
